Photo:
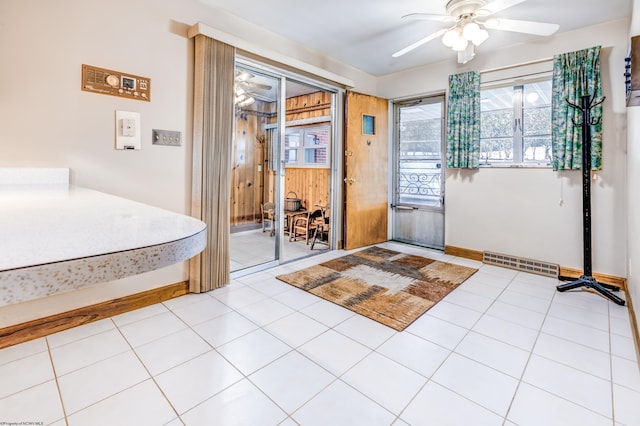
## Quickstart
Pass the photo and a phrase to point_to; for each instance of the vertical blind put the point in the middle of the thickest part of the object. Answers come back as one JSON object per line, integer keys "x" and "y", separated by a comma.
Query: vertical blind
{"x": 212, "y": 144}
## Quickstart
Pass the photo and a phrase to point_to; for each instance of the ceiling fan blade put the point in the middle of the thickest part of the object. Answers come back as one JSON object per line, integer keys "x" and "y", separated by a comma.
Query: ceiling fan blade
{"x": 518, "y": 26}
{"x": 430, "y": 17}
{"x": 496, "y": 6}
{"x": 419, "y": 43}
{"x": 254, "y": 85}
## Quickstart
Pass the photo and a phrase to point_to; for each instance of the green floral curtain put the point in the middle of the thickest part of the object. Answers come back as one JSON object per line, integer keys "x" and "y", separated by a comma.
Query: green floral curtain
{"x": 463, "y": 121}
{"x": 575, "y": 74}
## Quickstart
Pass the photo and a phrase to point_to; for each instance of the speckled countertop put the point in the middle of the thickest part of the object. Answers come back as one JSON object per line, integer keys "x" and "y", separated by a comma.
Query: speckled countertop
{"x": 59, "y": 237}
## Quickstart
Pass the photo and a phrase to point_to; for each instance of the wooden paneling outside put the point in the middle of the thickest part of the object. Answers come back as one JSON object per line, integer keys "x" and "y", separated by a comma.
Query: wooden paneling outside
{"x": 316, "y": 104}
{"x": 252, "y": 183}
{"x": 249, "y": 173}
{"x": 245, "y": 178}
{"x": 311, "y": 185}
{"x": 366, "y": 171}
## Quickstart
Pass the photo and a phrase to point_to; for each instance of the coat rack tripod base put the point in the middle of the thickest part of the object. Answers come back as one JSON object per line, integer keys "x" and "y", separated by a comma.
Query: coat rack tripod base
{"x": 590, "y": 282}
{"x": 587, "y": 280}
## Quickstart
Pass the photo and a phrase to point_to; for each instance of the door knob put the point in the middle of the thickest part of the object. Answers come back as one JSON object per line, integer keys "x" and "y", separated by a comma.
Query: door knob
{"x": 350, "y": 181}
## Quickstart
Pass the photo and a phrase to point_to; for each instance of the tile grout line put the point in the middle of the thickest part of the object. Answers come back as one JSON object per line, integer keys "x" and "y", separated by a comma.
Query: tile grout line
{"x": 55, "y": 376}
{"x": 151, "y": 376}
{"x": 337, "y": 378}
{"x": 113, "y": 356}
{"x": 529, "y": 356}
{"x": 453, "y": 350}
{"x": 612, "y": 384}
{"x": 547, "y": 316}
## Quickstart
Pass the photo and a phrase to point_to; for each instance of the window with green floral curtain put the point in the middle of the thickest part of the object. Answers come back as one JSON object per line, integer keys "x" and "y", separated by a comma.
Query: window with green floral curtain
{"x": 575, "y": 74}
{"x": 463, "y": 121}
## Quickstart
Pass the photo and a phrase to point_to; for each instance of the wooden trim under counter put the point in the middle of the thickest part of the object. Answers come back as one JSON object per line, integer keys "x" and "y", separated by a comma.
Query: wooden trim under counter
{"x": 30, "y": 330}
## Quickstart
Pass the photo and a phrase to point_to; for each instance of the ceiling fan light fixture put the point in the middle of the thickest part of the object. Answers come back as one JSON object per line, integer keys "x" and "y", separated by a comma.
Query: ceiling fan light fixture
{"x": 450, "y": 37}
{"x": 480, "y": 37}
{"x": 470, "y": 30}
{"x": 243, "y": 76}
{"x": 460, "y": 44}
{"x": 241, "y": 98}
{"x": 248, "y": 101}
{"x": 532, "y": 97}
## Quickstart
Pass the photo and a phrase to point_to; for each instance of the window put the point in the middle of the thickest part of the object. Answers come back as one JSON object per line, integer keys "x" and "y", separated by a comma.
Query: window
{"x": 419, "y": 157}
{"x": 307, "y": 146}
{"x": 515, "y": 124}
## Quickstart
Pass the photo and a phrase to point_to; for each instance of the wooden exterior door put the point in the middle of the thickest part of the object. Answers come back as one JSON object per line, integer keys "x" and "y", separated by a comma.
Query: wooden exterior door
{"x": 366, "y": 170}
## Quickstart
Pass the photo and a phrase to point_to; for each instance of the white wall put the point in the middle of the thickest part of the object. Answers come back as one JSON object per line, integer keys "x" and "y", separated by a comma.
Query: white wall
{"x": 633, "y": 282}
{"x": 47, "y": 121}
{"x": 633, "y": 183}
{"x": 518, "y": 211}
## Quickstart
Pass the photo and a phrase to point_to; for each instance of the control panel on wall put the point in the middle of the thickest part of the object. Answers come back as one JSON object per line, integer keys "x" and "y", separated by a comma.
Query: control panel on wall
{"x": 115, "y": 83}
{"x": 128, "y": 130}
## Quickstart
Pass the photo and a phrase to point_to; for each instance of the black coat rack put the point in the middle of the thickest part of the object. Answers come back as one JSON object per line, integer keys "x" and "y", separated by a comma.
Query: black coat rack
{"x": 587, "y": 280}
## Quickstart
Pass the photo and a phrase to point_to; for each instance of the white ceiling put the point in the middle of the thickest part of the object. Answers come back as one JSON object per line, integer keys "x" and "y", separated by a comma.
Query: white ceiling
{"x": 364, "y": 33}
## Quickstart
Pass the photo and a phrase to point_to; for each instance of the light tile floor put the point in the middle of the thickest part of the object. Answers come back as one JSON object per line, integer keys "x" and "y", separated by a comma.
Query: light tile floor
{"x": 254, "y": 247}
{"x": 505, "y": 348}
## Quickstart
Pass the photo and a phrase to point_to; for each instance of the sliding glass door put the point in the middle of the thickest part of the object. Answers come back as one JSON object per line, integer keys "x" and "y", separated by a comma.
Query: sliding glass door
{"x": 283, "y": 154}
{"x": 255, "y": 169}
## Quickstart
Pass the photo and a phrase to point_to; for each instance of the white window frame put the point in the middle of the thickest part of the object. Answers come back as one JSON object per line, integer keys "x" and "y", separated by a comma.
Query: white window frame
{"x": 300, "y": 150}
{"x": 517, "y": 159}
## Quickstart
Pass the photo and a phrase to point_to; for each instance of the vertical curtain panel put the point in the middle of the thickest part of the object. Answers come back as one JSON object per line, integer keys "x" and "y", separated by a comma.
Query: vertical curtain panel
{"x": 211, "y": 174}
{"x": 463, "y": 121}
{"x": 575, "y": 74}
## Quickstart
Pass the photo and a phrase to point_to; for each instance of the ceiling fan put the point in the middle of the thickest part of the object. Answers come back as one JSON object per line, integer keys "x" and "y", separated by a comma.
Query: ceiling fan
{"x": 247, "y": 91}
{"x": 471, "y": 19}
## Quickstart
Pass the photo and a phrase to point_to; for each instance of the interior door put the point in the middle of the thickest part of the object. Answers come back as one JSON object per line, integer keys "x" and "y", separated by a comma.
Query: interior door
{"x": 418, "y": 208}
{"x": 366, "y": 170}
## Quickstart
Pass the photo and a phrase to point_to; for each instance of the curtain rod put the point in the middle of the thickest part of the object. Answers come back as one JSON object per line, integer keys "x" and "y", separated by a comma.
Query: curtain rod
{"x": 522, "y": 64}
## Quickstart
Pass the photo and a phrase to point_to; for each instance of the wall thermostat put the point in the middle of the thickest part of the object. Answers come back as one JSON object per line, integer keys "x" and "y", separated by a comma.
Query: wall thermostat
{"x": 115, "y": 83}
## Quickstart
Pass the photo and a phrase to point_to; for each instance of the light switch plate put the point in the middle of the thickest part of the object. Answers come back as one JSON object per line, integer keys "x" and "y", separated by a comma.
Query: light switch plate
{"x": 128, "y": 130}
{"x": 166, "y": 137}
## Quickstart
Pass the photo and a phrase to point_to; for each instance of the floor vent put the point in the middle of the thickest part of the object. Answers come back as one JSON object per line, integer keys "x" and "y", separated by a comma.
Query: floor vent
{"x": 521, "y": 264}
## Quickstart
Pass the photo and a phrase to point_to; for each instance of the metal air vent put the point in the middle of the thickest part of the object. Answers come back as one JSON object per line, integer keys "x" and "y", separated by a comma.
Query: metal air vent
{"x": 521, "y": 264}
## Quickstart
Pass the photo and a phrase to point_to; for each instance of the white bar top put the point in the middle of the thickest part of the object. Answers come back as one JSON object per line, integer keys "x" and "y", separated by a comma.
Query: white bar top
{"x": 49, "y": 223}
{"x": 59, "y": 237}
